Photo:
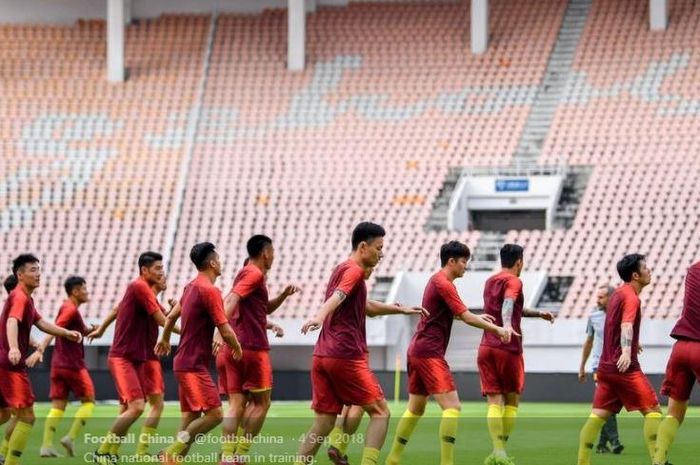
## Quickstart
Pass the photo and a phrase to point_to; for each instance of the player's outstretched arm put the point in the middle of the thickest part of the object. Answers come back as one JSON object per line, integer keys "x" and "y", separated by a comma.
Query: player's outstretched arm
{"x": 547, "y": 316}
{"x": 374, "y": 308}
{"x": 587, "y": 348}
{"x": 276, "y": 329}
{"x": 484, "y": 322}
{"x": 328, "y": 307}
{"x": 231, "y": 340}
{"x": 162, "y": 320}
{"x": 626, "y": 336}
{"x": 100, "y": 330}
{"x": 275, "y": 303}
{"x": 50, "y": 328}
{"x": 162, "y": 348}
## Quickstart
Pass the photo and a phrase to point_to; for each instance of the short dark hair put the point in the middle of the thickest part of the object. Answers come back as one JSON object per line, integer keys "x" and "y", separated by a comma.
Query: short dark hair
{"x": 510, "y": 253}
{"x": 256, "y": 244}
{"x": 147, "y": 259}
{"x": 10, "y": 283}
{"x": 365, "y": 232}
{"x": 629, "y": 265}
{"x": 72, "y": 282}
{"x": 453, "y": 249}
{"x": 200, "y": 254}
{"x": 22, "y": 260}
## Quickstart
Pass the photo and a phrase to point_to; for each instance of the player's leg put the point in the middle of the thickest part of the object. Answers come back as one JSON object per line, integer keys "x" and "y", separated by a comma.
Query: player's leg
{"x": 5, "y": 416}
{"x": 83, "y": 389}
{"x": 314, "y": 437}
{"x": 181, "y": 446}
{"x": 5, "y": 446}
{"x": 53, "y": 418}
{"x": 652, "y": 421}
{"x": 610, "y": 434}
{"x": 231, "y": 425}
{"x": 375, "y": 436}
{"x": 406, "y": 426}
{"x": 494, "y": 420}
{"x": 255, "y": 414}
{"x": 154, "y": 387}
{"x": 450, "y": 405}
{"x": 21, "y": 432}
{"x": 511, "y": 402}
{"x": 590, "y": 431}
{"x": 346, "y": 426}
{"x": 668, "y": 429}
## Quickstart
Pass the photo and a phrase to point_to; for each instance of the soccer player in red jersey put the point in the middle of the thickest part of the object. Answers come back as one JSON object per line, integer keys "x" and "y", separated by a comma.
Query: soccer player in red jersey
{"x": 18, "y": 317}
{"x": 683, "y": 367}
{"x": 501, "y": 365}
{"x": 129, "y": 351}
{"x": 68, "y": 371}
{"x": 248, "y": 382}
{"x": 9, "y": 283}
{"x": 621, "y": 381}
{"x": 340, "y": 373}
{"x": 428, "y": 371}
{"x": 202, "y": 310}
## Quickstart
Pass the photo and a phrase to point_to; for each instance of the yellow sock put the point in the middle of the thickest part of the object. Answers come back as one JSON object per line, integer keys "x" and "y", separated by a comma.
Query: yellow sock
{"x": 510, "y": 413}
{"x": 589, "y": 433}
{"x": 228, "y": 446}
{"x": 448, "y": 436}
{"x": 240, "y": 432}
{"x": 665, "y": 436}
{"x": 338, "y": 439}
{"x": 370, "y": 456}
{"x": 145, "y": 439}
{"x": 18, "y": 441}
{"x": 652, "y": 421}
{"x": 177, "y": 447}
{"x": 52, "y": 420}
{"x": 404, "y": 430}
{"x": 106, "y": 444}
{"x": 244, "y": 444}
{"x": 114, "y": 448}
{"x": 4, "y": 447}
{"x": 81, "y": 416}
{"x": 494, "y": 420}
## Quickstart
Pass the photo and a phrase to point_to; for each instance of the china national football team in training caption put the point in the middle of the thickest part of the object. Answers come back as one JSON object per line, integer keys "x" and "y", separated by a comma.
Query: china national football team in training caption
{"x": 232, "y": 333}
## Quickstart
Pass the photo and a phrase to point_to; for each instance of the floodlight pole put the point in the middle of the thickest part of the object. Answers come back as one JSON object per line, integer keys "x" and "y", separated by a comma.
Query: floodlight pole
{"x": 480, "y": 26}
{"x": 658, "y": 15}
{"x": 115, "y": 41}
{"x": 296, "y": 35}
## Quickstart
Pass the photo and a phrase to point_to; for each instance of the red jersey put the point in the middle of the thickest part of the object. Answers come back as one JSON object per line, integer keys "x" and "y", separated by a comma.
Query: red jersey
{"x": 202, "y": 312}
{"x": 133, "y": 321}
{"x": 498, "y": 288}
{"x": 249, "y": 320}
{"x": 69, "y": 354}
{"x": 152, "y": 336}
{"x": 624, "y": 306}
{"x": 442, "y": 301}
{"x": 343, "y": 334}
{"x": 688, "y": 326}
{"x": 20, "y": 306}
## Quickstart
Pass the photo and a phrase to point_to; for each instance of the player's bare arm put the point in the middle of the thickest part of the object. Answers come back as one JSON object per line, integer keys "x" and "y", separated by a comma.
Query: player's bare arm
{"x": 275, "y": 303}
{"x": 547, "y": 316}
{"x": 626, "y": 335}
{"x": 50, "y": 328}
{"x": 38, "y": 355}
{"x": 328, "y": 307}
{"x": 276, "y": 329}
{"x": 163, "y": 347}
{"x": 375, "y": 308}
{"x": 12, "y": 328}
{"x": 587, "y": 347}
{"x": 507, "y": 313}
{"x": 100, "y": 330}
{"x": 230, "y": 303}
{"x": 229, "y": 337}
{"x": 161, "y": 319}
{"x": 478, "y": 321}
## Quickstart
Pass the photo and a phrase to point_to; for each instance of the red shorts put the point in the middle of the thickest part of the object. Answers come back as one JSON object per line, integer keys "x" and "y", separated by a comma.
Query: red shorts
{"x": 428, "y": 376}
{"x": 67, "y": 380}
{"x": 128, "y": 378}
{"x": 500, "y": 371}
{"x": 15, "y": 389}
{"x": 631, "y": 390}
{"x": 253, "y": 372}
{"x": 153, "y": 383}
{"x": 197, "y": 391}
{"x": 682, "y": 370}
{"x": 337, "y": 381}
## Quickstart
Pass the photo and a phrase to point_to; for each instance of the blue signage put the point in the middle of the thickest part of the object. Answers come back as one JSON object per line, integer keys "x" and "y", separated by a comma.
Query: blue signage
{"x": 512, "y": 185}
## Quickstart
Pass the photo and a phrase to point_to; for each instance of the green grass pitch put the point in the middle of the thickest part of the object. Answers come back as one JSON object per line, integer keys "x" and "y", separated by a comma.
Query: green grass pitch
{"x": 545, "y": 434}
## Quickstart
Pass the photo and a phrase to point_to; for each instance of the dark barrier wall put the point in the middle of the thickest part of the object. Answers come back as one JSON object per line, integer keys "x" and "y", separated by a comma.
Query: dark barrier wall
{"x": 296, "y": 385}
